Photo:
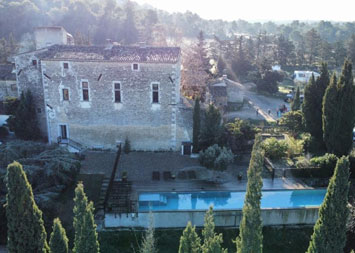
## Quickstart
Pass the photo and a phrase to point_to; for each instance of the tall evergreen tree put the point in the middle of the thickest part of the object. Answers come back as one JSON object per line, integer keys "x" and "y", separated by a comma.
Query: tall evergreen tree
{"x": 148, "y": 243}
{"x": 211, "y": 130}
{"x": 339, "y": 113}
{"x": 329, "y": 233}
{"x": 190, "y": 242}
{"x": 25, "y": 122}
{"x": 211, "y": 241}
{"x": 312, "y": 104}
{"x": 196, "y": 126}
{"x": 296, "y": 103}
{"x": 58, "y": 241}
{"x": 85, "y": 240}
{"x": 250, "y": 237}
{"x": 129, "y": 30}
{"x": 25, "y": 228}
{"x": 330, "y": 114}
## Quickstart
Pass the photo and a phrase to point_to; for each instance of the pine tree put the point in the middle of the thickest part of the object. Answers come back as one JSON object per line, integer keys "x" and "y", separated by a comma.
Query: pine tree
{"x": 26, "y": 232}
{"x": 196, "y": 126}
{"x": 148, "y": 243}
{"x": 58, "y": 242}
{"x": 339, "y": 113}
{"x": 330, "y": 229}
{"x": 211, "y": 241}
{"x": 189, "y": 241}
{"x": 250, "y": 237}
{"x": 296, "y": 103}
{"x": 85, "y": 240}
{"x": 312, "y": 104}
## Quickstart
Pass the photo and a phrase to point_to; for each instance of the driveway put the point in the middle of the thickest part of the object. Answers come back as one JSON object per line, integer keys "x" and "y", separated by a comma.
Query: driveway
{"x": 258, "y": 103}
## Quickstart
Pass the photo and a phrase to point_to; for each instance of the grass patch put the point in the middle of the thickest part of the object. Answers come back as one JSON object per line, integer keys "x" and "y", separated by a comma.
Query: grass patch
{"x": 276, "y": 239}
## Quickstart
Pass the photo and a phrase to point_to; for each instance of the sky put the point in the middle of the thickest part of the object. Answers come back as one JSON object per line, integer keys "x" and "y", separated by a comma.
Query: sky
{"x": 262, "y": 10}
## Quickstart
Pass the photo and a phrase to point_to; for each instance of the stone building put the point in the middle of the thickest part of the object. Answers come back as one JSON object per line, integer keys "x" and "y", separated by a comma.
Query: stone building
{"x": 226, "y": 93}
{"x": 8, "y": 87}
{"x": 52, "y": 35}
{"x": 99, "y": 96}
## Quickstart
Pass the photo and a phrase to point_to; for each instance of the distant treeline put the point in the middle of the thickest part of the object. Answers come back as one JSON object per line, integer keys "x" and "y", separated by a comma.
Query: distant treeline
{"x": 94, "y": 21}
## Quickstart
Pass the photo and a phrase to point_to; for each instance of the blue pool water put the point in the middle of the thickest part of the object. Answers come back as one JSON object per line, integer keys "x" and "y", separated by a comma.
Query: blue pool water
{"x": 170, "y": 201}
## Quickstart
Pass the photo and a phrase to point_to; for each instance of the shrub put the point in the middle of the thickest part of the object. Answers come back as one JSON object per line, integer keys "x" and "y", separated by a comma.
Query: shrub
{"x": 10, "y": 105}
{"x": 303, "y": 162}
{"x": 216, "y": 157}
{"x": 292, "y": 121}
{"x": 239, "y": 133}
{"x": 4, "y": 132}
{"x": 275, "y": 149}
{"x": 225, "y": 157}
{"x": 294, "y": 147}
{"x": 326, "y": 163}
{"x": 127, "y": 146}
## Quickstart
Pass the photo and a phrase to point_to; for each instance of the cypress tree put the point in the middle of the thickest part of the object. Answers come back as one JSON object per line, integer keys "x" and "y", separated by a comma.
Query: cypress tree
{"x": 196, "y": 126}
{"x": 211, "y": 241}
{"x": 211, "y": 130}
{"x": 148, "y": 244}
{"x": 250, "y": 237}
{"x": 25, "y": 122}
{"x": 339, "y": 113}
{"x": 189, "y": 241}
{"x": 25, "y": 228}
{"x": 329, "y": 233}
{"x": 58, "y": 241}
{"x": 330, "y": 114}
{"x": 296, "y": 103}
{"x": 312, "y": 104}
{"x": 85, "y": 240}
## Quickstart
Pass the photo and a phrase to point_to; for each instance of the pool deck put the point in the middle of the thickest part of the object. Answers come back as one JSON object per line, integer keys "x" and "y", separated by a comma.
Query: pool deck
{"x": 198, "y": 185}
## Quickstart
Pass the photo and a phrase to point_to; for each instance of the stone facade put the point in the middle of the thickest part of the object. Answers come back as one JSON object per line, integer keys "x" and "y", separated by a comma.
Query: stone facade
{"x": 8, "y": 87}
{"x": 52, "y": 35}
{"x": 102, "y": 121}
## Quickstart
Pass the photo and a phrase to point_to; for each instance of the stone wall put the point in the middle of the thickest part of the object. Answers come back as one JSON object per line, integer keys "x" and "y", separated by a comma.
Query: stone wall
{"x": 162, "y": 219}
{"x": 101, "y": 122}
{"x": 8, "y": 89}
{"x": 29, "y": 77}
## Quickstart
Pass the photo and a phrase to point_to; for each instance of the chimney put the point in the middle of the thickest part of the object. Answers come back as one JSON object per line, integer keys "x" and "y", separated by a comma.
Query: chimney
{"x": 224, "y": 77}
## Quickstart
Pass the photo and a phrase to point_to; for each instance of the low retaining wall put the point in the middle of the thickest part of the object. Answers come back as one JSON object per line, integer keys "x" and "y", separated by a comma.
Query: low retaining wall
{"x": 179, "y": 219}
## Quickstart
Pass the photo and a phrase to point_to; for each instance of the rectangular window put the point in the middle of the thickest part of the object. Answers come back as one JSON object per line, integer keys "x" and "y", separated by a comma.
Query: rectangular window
{"x": 66, "y": 65}
{"x": 66, "y": 94}
{"x": 155, "y": 92}
{"x": 135, "y": 66}
{"x": 34, "y": 63}
{"x": 117, "y": 92}
{"x": 85, "y": 87}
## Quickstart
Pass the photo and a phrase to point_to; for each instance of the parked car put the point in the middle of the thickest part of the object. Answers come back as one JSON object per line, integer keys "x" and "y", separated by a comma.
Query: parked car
{"x": 289, "y": 98}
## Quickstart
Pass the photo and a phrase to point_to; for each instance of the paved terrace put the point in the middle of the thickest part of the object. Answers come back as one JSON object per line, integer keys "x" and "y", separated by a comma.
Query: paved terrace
{"x": 187, "y": 175}
{"x": 140, "y": 167}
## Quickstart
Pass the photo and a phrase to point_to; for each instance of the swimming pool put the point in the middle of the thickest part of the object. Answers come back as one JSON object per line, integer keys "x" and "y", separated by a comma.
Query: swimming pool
{"x": 172, "y": 201}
